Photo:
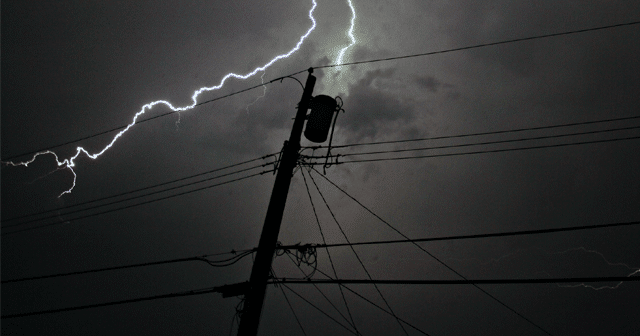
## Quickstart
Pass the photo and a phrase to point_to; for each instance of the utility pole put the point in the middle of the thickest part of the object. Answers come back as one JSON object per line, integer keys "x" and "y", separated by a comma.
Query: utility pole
{"x": 254, "y": 297}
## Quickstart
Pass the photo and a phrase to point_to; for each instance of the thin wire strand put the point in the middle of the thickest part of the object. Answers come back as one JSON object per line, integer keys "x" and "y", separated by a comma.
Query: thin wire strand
{"x": 140, "y": 189}
{"x": 162, "y": 262}
{"x": 133, "y": 205}
{"x": 476, "y": 236}
{"x": 320, "y": 310}
{"x": 356, "y": 254}
{"x": 104, "y": 304}
{"x": 461, "y": 282}
{"x": 477, "y": 152}
{"x": 289, "y": 303}
{"x": 434, "y": 257}
{"x": 537, "y": 37}
{"x": 145, "y": 120}
{"x": 324, "y": 241}
{"x": 135, "y": 197}
{"x": 321, "y": 292}
{"x": 343, "y": 64}
{"x": 479, "y": 133}
{"x": 492, "y": 142}
{"x": 371, "y": 302}
{"x": 384, "y": 310}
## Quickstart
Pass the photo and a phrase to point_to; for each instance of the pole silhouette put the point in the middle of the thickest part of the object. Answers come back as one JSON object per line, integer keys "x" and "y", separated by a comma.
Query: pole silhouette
{"x": 254, "y": 297}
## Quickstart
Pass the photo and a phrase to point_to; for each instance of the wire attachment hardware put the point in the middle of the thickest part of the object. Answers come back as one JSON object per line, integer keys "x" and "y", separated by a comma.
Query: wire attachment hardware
{"x": 301, "y": 254}
{"x": 333, "y": 128}
{"x": 276, "y": 163}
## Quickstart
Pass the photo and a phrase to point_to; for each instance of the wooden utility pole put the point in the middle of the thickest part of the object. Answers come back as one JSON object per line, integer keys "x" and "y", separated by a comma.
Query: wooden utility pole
{"x": 254, "y": 297}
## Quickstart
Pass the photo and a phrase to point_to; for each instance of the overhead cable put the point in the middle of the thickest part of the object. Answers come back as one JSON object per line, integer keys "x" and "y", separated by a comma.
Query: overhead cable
{"x": 145, "y": 120}
{"x": 321, "y": 292}
{"x": 216, "y": 263}
{"x": 134, "y": 205}
{"x": 335, "y": 273}
{"x": 316, "y": 307}
{"x": 105, "y": 304}
{"x": 473, "y": 152}
{"x": 57, "y": 215}
{"x": 290, "y": 306}
{"x": 457, "y": 282}
{"x": 473, "y": 236}
{"x": 433, "y": 256}
{"x": 139, "y": 189}
{"x": 536, "y": 37}
{"x": 484, "y": 143}
{"x": 357, "y": 256}
{"x": 324, "y": 245}
{"x": 371, "y": 302}
{"x": 516, "y": 130}
{"x": 337, "y": 65}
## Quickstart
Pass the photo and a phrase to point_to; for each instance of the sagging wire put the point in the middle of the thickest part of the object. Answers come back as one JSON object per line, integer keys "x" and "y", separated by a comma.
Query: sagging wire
{"x": 291, "y": 77}
{"x": 226, "y": 262}
{"x": 302, "y": 254}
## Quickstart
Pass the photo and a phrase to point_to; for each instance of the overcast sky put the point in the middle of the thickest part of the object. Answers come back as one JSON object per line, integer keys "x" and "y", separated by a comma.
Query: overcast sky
{"x": 73, "y": 69}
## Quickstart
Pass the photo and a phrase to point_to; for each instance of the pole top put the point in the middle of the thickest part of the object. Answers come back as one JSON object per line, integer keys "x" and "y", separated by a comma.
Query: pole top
{"x": 310, "y": 70}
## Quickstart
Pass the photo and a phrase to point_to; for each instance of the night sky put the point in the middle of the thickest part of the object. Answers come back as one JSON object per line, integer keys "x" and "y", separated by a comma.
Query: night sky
{"x": 74, "y": 69}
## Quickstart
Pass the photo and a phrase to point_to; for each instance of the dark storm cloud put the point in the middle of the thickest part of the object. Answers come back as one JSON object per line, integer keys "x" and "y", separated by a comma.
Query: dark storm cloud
{"x": 372, "y": 109}
{"x": 593, "y": 73}
{"x": 429, "y": 83}
{"x": 70, "y": 69}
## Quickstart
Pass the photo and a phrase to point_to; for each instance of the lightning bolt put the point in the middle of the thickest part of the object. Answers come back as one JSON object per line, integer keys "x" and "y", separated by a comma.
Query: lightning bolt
{"x": 349, "y": 34}
{"x": 70, "y": 162}
{"x": 337, "y": 76}
{"x": 264, "y": 92}
{"x": 524, "y": 252}
{"x": 634, "y": 269}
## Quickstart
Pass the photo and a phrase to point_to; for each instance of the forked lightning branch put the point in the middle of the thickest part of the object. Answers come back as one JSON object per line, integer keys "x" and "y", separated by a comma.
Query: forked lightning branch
{"x": 69, "y": 163}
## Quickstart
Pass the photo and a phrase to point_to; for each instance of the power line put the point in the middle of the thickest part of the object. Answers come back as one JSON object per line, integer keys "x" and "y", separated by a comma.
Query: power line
{"x": 433, "y": 256}
{"x": 371, "y": 302}
{"x": 494, "y": 142}
{"x": 336, "y": 65}
{"x": 474, "y": 236}
{"x": 134, "y": 205}
{"x": 203, "y": 258}
{"x": 324, "y": 245}
{"x": 139, "y": 189}
{"x": 283, "y": 282}
{"x": 105, "y": 304}
{"x": 356, "y": 255}
{"x": 352, "y": 324}
{"x": 314, "y": 306}
{"x": 290, "y": 306}
{"x": 145, "y": 120}
{"x": 335, "y": 273}
{"x": 479, "y": 133}
{"x": 455, "y": 282}
{"x": 83, "y": 138}
{"x": 136, "y": 197}
{"x": 474, "y": 152}
{"x": 537, "y": 37}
